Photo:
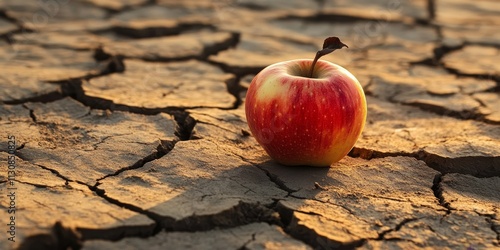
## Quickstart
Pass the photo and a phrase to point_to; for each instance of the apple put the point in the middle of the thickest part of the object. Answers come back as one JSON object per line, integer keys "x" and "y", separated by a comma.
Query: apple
{"x": 306, "y": 112}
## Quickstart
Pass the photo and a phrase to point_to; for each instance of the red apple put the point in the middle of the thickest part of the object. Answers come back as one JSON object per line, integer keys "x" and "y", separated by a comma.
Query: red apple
{"x": 306, "y": 112}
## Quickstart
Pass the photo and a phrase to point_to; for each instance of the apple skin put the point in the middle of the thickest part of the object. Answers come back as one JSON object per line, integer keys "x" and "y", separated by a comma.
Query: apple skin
{"x": 300, "y": 120}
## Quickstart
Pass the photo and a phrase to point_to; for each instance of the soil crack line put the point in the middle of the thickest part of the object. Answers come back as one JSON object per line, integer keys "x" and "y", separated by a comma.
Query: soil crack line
{"x": 164, "y": 148}
{"x": 438, "y": 193}
{"x": 276, "y": 180}
{"x": 396, "y": 228}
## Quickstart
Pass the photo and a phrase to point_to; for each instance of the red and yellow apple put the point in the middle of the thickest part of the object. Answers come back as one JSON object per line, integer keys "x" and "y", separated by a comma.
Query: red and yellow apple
{"x": 306, "y": 112}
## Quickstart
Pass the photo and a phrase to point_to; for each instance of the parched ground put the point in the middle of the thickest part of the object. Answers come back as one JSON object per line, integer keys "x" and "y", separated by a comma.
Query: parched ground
{"x": 130, "y": 132}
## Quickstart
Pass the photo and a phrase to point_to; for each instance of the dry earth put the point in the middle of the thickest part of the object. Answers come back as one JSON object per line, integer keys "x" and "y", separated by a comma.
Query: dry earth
{"x": 130, "y": 131}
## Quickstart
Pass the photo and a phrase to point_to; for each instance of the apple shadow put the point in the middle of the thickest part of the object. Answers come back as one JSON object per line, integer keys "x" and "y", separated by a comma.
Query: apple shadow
{"x": 297, "y": 178}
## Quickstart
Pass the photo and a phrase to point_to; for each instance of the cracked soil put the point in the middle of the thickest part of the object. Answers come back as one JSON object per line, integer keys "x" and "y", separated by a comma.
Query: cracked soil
{"x": 130, "y": 129}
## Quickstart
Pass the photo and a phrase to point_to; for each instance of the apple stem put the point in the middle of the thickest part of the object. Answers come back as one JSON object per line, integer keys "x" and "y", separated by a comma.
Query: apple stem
{"x": 329, "y": 45}
{"x": 318, "y": 55}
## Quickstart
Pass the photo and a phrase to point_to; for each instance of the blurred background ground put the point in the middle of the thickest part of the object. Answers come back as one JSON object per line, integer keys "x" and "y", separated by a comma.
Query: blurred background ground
{"x": 129, "y": 125}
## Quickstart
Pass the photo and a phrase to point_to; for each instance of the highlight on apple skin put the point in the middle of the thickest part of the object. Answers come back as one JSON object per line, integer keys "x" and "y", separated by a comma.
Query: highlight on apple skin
{"x": 301, "y": 119}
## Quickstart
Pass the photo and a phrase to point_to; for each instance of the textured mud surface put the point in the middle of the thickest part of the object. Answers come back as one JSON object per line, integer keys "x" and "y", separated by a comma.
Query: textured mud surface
{"x": 130, "y": 130}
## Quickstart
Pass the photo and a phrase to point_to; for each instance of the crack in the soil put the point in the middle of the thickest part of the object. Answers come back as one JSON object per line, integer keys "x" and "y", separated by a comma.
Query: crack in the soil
{"x": 368, "y": 154}
{"x": 308, "y": 235}
{"x": 431, "y": 9}
{"x": 440, "y": 51}
{"x": 53, "y": 171}
{"x": 164, "y": 148}
{"x": 244, "y": 247}
{"x": 444, "y": 111}
{"x": 438, "y": 193}
{"x": 218, "y": 47}
{"x": 114, "y": 63}
{"x": 158, "y": 31}
{"x": 458, "y": 73}
{"x": 32, "y": 113}
{"x": 118, "y": 233}
{"x": 234, "y": 88}
{"x": 334, "y": 17}
{"x": 207, "y": 51}
{"x": 381, "y": 235}
{"x": 18, "y": 23}
{"x": 37, "y": 185}
{"x": 44, "y": 98}
{"x": 185, "y": 125}
{"x": 239, "y": 71}
{"x": 276, "y": 180}
{"x": 241, "y": 214}
{"x": 272, "y": 177}
{"x": 478, "y": 166}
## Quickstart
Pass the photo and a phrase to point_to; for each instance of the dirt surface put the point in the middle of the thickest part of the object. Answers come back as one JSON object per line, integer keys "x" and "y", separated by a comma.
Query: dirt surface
{"x": 126, "y": 126}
